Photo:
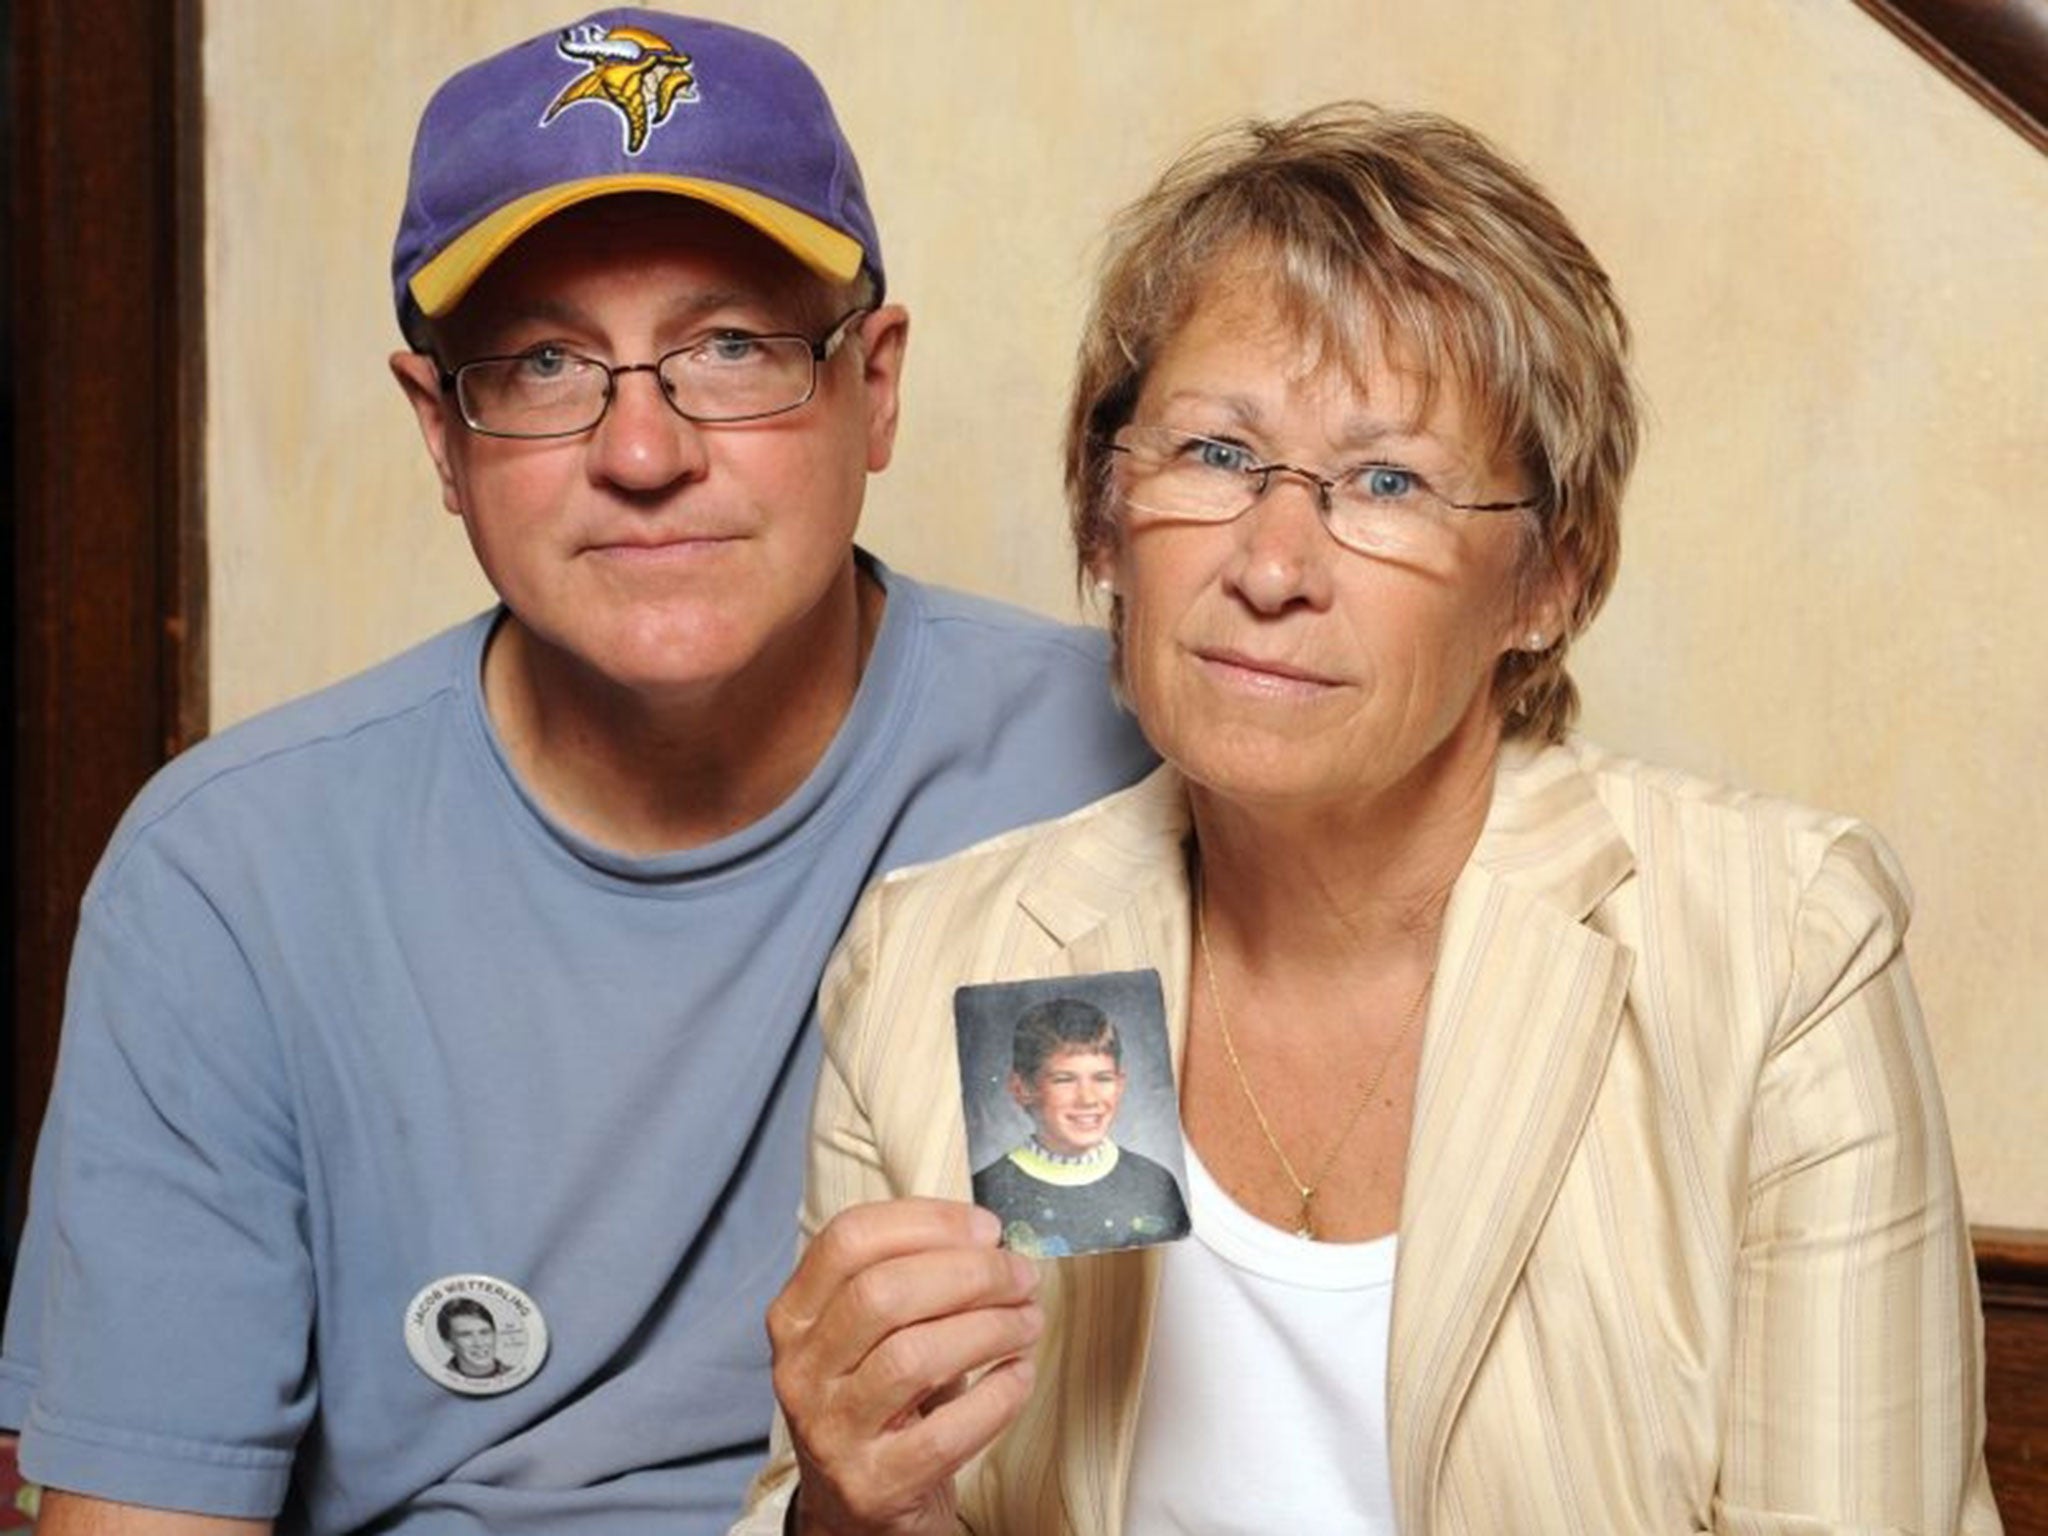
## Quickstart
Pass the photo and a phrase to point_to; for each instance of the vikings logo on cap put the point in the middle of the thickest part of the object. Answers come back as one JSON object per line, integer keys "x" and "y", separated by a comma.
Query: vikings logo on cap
{"x": 637, "y": 73}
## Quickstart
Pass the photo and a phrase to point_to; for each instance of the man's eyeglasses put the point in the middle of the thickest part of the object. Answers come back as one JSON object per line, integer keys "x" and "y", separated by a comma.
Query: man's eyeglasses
{"x": 1373, "y": 508}
{"x": 721, "y": 376}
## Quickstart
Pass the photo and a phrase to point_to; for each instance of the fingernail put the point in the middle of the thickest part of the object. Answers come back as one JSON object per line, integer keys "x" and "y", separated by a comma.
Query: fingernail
{"x": 983, "y": 1226}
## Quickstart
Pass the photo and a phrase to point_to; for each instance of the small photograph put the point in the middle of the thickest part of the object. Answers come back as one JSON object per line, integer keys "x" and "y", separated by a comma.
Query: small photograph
{"x": 1073, "y": 1119}
{"x": 475, "y": 1334}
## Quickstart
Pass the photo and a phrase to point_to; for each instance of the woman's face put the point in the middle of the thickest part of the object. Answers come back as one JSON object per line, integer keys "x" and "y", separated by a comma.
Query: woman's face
{"x": 1273, "y": 665}
{"x": 1072, "y": 1099}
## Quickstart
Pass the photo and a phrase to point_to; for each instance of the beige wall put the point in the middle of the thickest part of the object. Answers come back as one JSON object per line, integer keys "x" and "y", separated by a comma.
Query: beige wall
{"x": 1837, "y": 570}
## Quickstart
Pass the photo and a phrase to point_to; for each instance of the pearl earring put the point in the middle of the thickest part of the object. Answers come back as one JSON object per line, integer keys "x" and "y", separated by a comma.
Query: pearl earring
{"x": 1535, "y": 641}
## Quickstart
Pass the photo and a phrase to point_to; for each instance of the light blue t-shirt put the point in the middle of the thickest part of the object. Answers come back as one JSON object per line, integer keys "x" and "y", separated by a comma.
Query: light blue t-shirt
{"x": 349, "y": 1014}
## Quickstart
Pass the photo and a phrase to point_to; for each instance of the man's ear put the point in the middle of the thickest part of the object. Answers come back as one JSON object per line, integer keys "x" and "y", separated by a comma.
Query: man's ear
{"x": 884, "y": 338}
{"x": 1021, "y": 1092}
{"x": 420, "y": 377}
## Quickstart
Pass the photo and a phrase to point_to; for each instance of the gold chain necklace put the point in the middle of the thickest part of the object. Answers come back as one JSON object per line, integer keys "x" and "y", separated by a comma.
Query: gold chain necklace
{"x": 1305, "y": 1190}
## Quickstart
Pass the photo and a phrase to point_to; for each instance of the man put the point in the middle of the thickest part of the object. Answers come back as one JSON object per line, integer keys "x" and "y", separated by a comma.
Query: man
{"x": 488, "y": 972}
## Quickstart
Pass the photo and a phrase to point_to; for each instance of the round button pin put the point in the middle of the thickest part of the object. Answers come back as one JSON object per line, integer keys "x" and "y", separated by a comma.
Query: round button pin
{"x": 475, "y": 1334}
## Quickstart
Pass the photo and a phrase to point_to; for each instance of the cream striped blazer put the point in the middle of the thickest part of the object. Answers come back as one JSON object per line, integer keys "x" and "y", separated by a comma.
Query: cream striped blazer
{"x": 1681, "y": 1245}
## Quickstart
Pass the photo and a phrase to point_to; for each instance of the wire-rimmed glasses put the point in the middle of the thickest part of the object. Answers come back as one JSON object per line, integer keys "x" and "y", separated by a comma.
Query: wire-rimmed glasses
{"x": 721, "y": 376}
{"x": 1375, "y": 508}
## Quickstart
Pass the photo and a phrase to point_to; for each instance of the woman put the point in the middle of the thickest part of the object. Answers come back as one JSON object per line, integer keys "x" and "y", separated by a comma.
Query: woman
{"x": 1617, "y": 1077}
{"x": 1068, "y": 1187}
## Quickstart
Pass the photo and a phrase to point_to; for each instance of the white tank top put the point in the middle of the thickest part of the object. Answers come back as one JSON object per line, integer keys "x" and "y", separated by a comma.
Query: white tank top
{"x": 1265, "y": 1404}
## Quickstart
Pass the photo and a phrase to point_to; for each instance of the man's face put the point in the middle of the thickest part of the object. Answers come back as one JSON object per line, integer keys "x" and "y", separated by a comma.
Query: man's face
{"x": 662, "y": 558}
{"x": 475, "y": 1343}
{"x": 1072, "y": 1100}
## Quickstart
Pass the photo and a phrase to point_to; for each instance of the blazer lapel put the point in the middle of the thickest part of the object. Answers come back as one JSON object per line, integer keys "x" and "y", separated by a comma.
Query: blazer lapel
{"x": 1114, "y": 901}
{"x": 1524, "y": 1011}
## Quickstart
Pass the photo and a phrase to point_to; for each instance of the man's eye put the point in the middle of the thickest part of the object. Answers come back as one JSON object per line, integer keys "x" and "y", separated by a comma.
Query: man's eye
{"x": 544, "y": 364}
{"x": 729, "y": 347}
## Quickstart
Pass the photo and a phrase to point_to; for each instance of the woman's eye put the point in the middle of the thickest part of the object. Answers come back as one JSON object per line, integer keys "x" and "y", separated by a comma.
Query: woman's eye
{"x": 1387, "y": 482}
{"x": 1211, "y": 454}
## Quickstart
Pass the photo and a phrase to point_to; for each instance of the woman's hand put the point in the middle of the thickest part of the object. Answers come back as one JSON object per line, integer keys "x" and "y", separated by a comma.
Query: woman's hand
{"x": 899, "y": 1354}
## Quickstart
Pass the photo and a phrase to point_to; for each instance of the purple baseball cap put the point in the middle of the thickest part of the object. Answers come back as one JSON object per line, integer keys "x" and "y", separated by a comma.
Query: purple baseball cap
{"x": 627, "y": 101}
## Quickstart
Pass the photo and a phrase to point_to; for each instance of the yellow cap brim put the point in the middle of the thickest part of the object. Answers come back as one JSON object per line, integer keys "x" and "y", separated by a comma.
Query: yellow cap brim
{"x": 439, "y": 285}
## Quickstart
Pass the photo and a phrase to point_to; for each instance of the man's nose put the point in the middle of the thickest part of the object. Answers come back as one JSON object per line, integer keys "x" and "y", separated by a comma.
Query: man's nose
{"x": 643, "y": 443}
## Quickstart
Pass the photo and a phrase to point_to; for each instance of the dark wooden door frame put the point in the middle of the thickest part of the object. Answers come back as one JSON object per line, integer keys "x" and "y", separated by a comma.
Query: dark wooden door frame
{"x": 109, "y": 574}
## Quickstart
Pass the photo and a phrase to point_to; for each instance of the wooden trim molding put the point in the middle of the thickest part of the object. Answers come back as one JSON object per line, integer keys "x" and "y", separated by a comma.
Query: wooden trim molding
{"x": 2013, "y": 1262}
{"x": 1997, "y": 50}
{"x": 2012, "y": 1272}
{"x": 108, "y": 544}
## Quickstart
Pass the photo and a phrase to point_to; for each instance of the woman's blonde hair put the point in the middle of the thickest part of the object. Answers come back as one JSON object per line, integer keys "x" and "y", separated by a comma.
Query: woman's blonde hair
{"x": 1388, "y": 232}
